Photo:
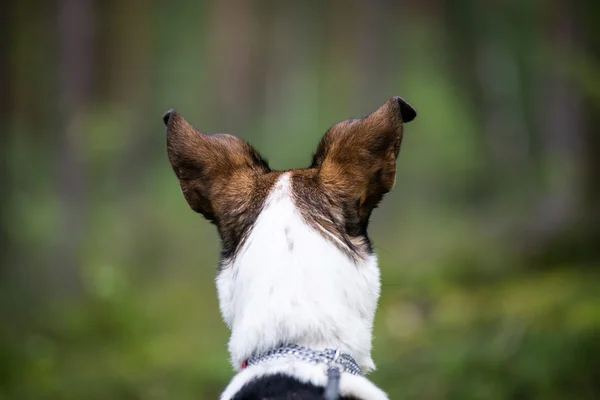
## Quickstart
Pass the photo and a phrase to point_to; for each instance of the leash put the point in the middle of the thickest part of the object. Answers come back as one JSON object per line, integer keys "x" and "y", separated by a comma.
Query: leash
{"x": 332, "y": 390}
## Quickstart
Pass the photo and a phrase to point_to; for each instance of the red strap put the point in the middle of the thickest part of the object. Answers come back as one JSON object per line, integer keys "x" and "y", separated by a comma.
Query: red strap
{"x": 244, "y": 364}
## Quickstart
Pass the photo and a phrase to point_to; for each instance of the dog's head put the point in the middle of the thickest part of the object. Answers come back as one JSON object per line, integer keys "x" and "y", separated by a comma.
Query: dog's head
{"x": 227, "y": 181}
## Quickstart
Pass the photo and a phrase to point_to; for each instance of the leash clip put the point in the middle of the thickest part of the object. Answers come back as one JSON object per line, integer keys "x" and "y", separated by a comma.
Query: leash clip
{"x": 334, "y": 371}
{"x": 334, "y": 362}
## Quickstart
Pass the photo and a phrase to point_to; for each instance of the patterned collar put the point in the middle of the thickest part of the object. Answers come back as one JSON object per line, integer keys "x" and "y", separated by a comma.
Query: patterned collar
{"x": 331, "y": 357}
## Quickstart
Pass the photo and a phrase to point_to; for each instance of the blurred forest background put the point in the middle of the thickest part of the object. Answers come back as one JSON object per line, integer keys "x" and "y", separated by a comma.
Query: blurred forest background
{"x": 489, "y": 245}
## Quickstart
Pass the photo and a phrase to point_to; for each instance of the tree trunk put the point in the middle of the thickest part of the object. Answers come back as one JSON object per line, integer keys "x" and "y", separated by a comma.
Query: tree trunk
{"x": 591, "y": 157}
{"x": 565, "y": 227}
{"x": 5, "y": 122}
{"x": 75, "y": 25}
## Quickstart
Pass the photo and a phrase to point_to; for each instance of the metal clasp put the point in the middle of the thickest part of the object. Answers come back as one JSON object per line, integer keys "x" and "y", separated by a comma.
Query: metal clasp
{"x": 334, "y": 372}
{"x": 336, "y": 355}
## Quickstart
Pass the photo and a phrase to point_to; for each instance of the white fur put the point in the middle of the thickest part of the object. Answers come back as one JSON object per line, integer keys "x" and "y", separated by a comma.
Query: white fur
{"x": 350, "y": 385}
{"x": 307, "y": 293}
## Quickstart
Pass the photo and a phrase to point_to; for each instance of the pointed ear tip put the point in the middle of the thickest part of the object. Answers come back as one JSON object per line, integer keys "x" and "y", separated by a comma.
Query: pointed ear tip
{"x": 407, "y": 112}
{"x": 167, "y": 116}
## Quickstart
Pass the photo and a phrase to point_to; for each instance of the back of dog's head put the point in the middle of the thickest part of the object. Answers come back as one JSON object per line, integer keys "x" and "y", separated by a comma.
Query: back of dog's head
{"x": 227, "y": 181}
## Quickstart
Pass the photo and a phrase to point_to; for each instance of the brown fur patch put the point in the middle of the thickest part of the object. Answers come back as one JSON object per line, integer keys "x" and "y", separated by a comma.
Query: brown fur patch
{"x": 221, "y": 177}
{"x": 227, "y": 181}
{"x": 356, "y": 163}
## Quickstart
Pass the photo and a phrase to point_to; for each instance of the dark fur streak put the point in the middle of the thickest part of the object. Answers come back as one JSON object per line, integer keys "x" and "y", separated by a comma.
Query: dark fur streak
{"x": 281, "y": 387}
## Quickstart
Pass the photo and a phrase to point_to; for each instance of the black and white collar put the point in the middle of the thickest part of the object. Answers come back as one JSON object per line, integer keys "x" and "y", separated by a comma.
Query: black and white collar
{"x": 330, "y": 357}
{"x": 302, "y": 367}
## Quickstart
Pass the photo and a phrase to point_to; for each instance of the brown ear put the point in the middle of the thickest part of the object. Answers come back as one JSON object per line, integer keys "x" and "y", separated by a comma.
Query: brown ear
{"x": 357, "y": 158}
{"x": 207, "y": 165}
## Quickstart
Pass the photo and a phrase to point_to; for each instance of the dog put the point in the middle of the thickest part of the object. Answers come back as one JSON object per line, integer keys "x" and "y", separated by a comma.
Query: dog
{"x": 298, "y": 281}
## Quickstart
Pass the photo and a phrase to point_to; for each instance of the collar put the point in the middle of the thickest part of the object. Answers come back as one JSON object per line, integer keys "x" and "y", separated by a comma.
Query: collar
{"x": 331, "y": 357}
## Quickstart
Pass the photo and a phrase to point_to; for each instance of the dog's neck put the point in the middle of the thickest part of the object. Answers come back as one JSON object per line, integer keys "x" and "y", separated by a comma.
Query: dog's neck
{"x": 288, "y": 284}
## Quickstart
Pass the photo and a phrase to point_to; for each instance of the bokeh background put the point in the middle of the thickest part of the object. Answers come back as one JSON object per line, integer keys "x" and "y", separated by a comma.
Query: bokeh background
{"x": 489, "y": 245}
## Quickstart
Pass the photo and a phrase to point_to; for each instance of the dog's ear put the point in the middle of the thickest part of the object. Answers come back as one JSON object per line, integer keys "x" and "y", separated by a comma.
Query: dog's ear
{"x": 356, "y": 159}
{"x": 210, "y": 168}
